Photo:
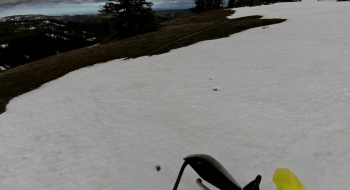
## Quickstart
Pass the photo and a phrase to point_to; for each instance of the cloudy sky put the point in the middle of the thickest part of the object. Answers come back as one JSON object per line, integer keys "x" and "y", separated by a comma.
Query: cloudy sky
{"x": 60, "y": 7}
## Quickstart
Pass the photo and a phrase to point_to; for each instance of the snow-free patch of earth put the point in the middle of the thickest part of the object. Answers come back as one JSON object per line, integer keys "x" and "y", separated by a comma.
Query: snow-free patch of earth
{"x": 282, "y": 100}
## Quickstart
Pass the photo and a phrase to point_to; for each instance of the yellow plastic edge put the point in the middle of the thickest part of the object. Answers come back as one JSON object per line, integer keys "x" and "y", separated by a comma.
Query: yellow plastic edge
{"x": 285, "y": 179}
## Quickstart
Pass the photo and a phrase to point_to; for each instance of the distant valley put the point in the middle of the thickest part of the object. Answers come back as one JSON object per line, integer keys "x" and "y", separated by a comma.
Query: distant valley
{"x": 93, "y": 18}
{"x": 27, "y": 38}
{"x": 25, "y": 41}
{"x": 65, "y": 18}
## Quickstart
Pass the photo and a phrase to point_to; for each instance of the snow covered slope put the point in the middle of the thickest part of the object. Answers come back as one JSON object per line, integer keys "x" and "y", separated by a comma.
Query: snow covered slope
{"x": 282, "y": 101}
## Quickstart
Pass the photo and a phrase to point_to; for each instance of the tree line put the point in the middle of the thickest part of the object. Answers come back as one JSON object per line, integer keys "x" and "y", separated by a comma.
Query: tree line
{"x": 22, "y": 42}
{"x": 132, "y": 17}
{"x": 207, "y": 5}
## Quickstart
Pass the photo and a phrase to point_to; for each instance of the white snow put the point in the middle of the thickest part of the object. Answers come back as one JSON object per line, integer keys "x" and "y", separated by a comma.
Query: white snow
{"x": 91, "y": 39}
{"x": 52, "y": 35}
{"x": 48, "y": 22}
{"x": 2, "y": 68}
{"x": 4, "y": 46}
{"x": 283, "y": 100}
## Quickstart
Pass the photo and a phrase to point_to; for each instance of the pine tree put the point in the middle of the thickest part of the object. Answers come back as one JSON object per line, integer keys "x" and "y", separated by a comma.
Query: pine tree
{"x": 257, "y": 3}
{"x": 131, "y": 17}
{"x": 199, "y": 6}
{"x": 239, "y": 3}
{"x": 231, "y": 4}
{"x": 207, "y": 5}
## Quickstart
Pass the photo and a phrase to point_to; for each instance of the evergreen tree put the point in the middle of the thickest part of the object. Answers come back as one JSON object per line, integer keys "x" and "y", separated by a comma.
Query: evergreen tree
{"x": 239, "y": 3}
{"x": 257, "y": 3}
{"x": 200, "y": 6}
{"x": 218, "y": 4}
{"x": 207, "y": 5}
{"x": 231, "y": 4}
{"x": 131, "y": 17}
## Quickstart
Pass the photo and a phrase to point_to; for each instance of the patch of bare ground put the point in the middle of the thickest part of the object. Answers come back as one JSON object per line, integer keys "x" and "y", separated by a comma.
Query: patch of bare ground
{"x": 176, "y": 33}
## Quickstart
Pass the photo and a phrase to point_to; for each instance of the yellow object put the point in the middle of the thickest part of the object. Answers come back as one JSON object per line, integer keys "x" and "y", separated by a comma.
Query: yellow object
{"x": 287, "y": 180}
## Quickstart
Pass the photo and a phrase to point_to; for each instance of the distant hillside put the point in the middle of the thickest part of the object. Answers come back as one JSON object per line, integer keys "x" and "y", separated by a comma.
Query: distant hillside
{"x": 97, "y": 18}
{"x": 171, "y": 14}
{"x": 66, "y": 18}
{"x": 27, "y": 38}
{"x": 177, "y": 33}
{"x": 22, "y": 42}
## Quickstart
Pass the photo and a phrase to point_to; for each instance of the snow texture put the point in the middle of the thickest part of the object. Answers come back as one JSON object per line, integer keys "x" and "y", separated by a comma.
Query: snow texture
{"x": 282, "y": 100}
{"x": 2, "y": 68}
{"x": 4, "y": 46}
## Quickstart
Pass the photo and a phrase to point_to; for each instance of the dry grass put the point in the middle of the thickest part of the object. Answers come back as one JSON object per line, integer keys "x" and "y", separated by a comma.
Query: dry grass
{"x": 25, "y": 78}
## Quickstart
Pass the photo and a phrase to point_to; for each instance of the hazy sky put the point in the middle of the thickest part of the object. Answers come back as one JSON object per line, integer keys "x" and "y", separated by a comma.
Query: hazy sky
{"x": 61, "y": 7}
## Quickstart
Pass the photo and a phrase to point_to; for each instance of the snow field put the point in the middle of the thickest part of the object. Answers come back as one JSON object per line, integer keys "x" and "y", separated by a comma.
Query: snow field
{"x": 282, "y": 101}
